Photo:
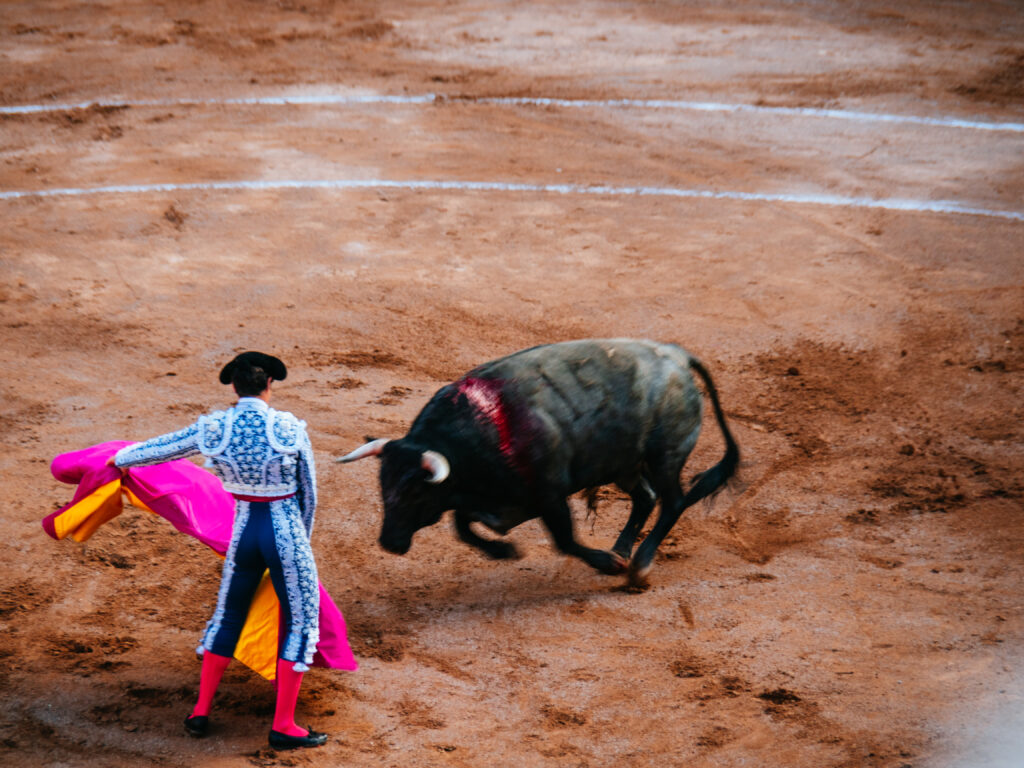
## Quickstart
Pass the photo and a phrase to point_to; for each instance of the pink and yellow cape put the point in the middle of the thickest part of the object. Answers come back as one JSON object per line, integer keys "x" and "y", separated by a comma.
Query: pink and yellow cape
{"x": 194, "y": 502}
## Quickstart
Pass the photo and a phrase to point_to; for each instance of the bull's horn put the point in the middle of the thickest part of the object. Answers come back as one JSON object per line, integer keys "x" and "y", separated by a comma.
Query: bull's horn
{"x": 437, "y": 465}
{"x": 372, "y": 448}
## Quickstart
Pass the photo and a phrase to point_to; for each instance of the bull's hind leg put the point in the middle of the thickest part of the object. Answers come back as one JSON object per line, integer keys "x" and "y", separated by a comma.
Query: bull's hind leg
{"x": 558, "y": 519}
{"x": 672, "y": 506}
{"x": 644, "y": 498}
{"x": 664, "y": 475}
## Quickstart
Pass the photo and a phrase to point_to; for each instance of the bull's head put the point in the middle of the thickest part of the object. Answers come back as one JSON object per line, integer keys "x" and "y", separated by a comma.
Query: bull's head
{"x": 409, "y": 480}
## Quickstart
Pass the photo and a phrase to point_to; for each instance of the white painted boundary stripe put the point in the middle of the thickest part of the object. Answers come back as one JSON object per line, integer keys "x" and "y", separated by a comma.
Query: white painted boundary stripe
{"x": 273, "y": 101}
{"x": 891, "y": 204}
{"x": 695, "y": 106}
{"x": 704, "y": 106}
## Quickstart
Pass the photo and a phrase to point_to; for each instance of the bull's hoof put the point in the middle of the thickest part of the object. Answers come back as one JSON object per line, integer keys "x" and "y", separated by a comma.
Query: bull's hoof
{"x": 638, "y": 577}
{"x": 610, "y": 563}
{"x": 625, "y": 554}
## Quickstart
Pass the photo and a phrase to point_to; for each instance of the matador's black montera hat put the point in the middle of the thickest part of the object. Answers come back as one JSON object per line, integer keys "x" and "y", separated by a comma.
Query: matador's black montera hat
{"x": 273, "y": 366}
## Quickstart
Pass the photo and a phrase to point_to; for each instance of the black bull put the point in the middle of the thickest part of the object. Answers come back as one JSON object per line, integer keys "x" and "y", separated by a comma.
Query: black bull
{"x": 513, "y": 438}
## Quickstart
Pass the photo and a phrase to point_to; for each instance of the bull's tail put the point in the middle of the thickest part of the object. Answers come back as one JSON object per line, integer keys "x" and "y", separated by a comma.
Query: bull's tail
{"x": 712, "y": 480}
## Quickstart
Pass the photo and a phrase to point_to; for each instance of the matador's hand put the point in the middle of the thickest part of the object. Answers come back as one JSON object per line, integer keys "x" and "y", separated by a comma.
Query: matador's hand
{"x": 122, "y": 470}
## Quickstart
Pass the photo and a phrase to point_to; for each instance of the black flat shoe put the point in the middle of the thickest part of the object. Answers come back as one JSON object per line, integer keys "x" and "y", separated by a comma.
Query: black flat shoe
{"x": 196, "y": 725}
{"x": 280, "y": 740}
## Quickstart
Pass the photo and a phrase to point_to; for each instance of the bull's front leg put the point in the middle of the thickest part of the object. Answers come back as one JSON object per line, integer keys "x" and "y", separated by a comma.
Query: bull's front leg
{"x": 558, "y": 518}
{"x": 496, "y": 550}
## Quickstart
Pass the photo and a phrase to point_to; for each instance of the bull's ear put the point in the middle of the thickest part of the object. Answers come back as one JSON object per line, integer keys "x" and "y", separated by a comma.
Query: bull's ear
{"x": 372, "y": 448}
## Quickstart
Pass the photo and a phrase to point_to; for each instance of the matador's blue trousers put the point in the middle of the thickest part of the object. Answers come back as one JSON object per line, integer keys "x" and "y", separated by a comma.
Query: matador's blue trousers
{"x": 268, "y": 535}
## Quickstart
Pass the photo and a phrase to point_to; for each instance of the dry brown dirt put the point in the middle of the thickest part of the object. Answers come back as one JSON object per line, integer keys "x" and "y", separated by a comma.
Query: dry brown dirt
{"x": 855, "y": 601}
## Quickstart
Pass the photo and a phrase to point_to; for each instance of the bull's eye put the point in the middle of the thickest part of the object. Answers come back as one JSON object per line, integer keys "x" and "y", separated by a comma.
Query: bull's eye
{"x": 412, "y": 484}
{"x": 409, "y": 489}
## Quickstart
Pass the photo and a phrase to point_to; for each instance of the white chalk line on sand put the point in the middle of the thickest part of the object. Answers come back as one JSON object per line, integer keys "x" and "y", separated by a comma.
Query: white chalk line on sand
{"x": 663, "y": 104}
{"x": 891, "y": 204}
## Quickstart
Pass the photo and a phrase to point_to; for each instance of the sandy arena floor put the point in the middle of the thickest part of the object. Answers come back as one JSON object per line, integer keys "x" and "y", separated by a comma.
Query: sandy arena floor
{"x": 844, "y": 253}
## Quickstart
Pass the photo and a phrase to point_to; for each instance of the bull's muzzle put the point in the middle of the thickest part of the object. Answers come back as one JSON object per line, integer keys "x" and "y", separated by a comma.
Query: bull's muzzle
{"x": 396, "y": 545}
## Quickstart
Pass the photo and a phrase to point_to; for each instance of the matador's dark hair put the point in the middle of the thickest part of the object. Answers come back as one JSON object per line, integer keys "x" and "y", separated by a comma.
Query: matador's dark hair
{"x": 250, "y": 372}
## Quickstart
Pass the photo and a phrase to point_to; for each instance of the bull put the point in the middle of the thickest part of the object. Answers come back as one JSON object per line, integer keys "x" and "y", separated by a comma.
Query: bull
{"x": 514, "y": 438}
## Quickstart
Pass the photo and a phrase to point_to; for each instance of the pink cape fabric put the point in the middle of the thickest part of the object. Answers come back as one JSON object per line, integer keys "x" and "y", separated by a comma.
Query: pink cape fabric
{"x": 194, "y": 502}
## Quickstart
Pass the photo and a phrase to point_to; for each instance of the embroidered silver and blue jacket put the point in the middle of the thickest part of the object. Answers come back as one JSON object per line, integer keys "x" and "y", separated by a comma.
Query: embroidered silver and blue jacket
{"x": 254, "y": 449}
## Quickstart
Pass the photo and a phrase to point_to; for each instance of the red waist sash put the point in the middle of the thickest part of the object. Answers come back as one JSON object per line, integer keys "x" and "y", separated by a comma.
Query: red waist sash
{"x": 240, "y": 497}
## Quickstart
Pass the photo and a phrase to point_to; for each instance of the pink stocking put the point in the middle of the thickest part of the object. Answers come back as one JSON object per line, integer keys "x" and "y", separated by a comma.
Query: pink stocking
{"x": 209, "y": 679}
{"x": 288, "y": 683}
